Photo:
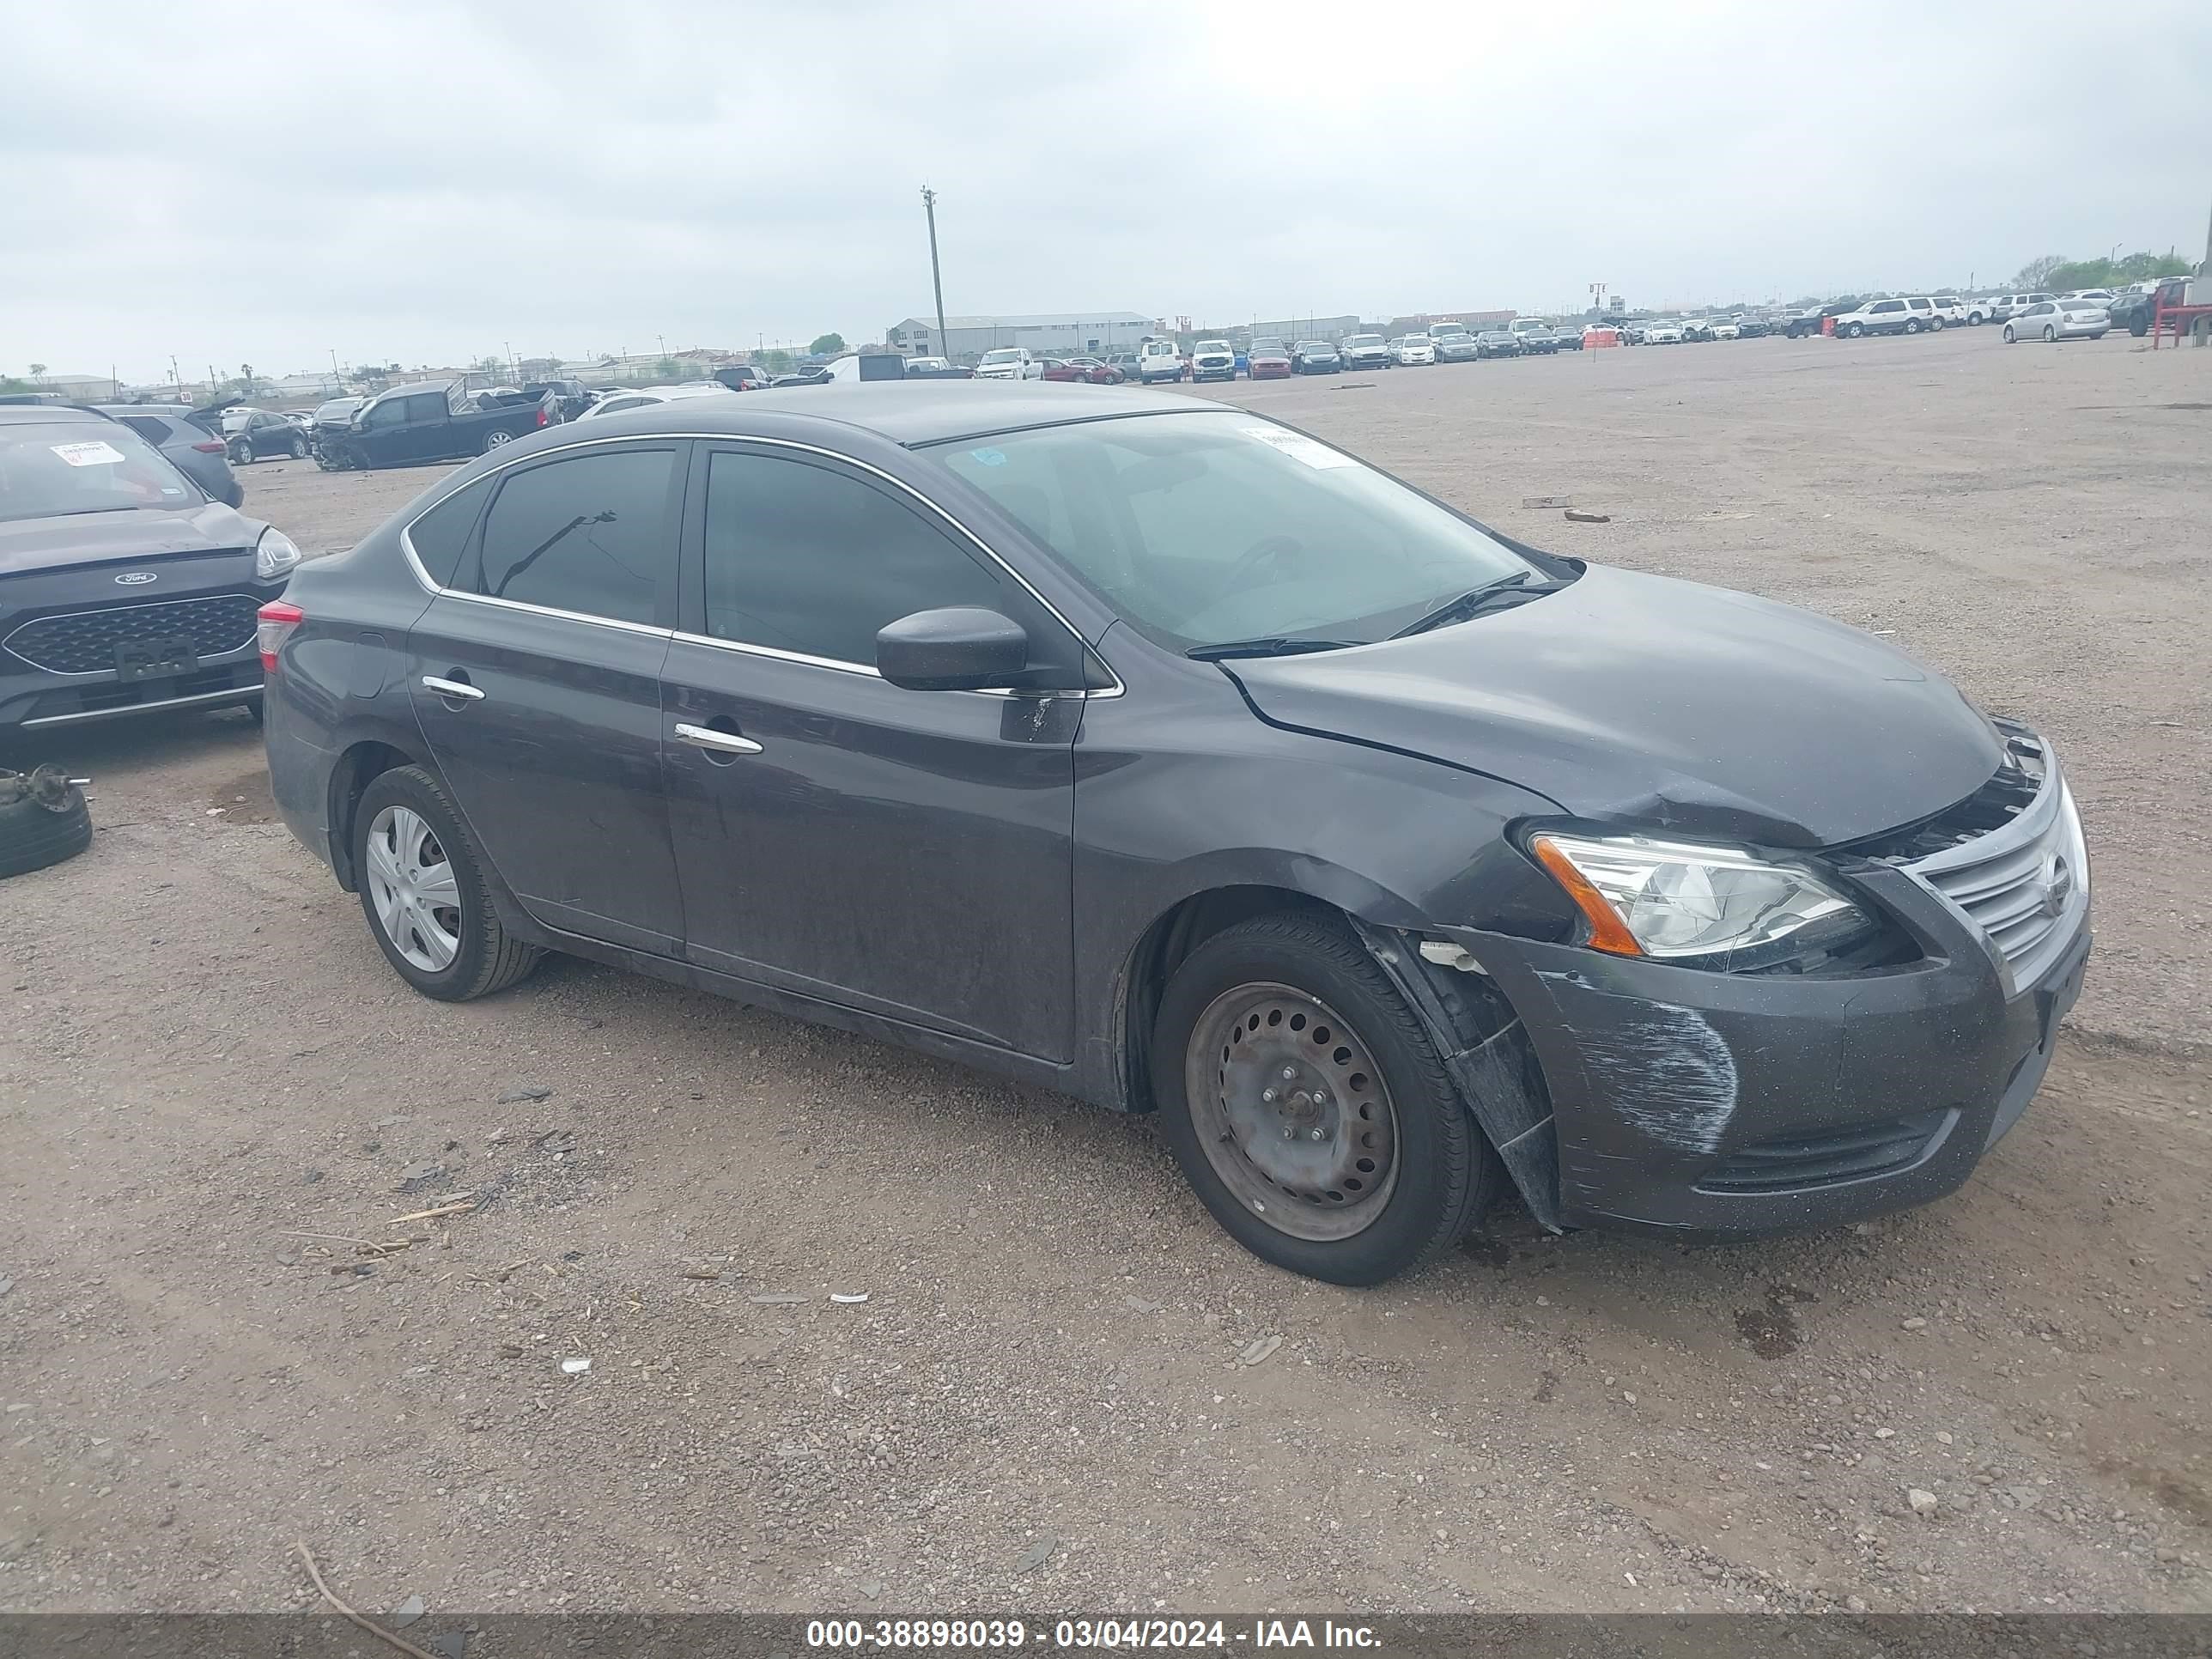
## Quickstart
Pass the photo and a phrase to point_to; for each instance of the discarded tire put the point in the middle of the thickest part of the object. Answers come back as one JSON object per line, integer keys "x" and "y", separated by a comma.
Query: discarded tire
{"x": 43, "y": 820}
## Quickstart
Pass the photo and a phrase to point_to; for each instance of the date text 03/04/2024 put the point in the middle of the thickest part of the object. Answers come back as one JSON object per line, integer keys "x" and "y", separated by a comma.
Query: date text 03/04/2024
{"x": 985, "y": 1634}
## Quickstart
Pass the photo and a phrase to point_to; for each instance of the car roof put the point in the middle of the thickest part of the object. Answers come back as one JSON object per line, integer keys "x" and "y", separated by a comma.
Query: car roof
{"x": 912, "y": 412}
{"x": 52, "y": 414}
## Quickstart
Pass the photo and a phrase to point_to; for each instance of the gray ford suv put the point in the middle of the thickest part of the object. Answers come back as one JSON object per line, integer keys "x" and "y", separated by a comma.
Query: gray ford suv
{"x": 1158, "y": 753}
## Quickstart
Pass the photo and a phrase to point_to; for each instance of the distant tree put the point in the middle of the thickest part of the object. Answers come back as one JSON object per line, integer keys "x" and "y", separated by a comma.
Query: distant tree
{"x": 2113, "y": 273}
{"x": 542, "y": 369}
{"x": 776, "y": 361}
{"x": 666, "y": 368}
{"x": 10, "y": 383}
{"x": 2036, "y": 273}
{"x": 826, "y": 344}
{"x": 38, "y": 371}
{"x": 488, "y": 365}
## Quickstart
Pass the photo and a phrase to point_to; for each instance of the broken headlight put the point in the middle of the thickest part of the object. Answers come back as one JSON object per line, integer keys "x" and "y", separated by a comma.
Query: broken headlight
{"x": 1708, "y": 906}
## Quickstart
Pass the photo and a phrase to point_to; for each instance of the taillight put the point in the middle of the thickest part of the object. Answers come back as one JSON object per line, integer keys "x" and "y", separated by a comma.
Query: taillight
{"x": 273, "y": 625}
{"x": 541, "y": 417}
{"x": 210, "y": 447}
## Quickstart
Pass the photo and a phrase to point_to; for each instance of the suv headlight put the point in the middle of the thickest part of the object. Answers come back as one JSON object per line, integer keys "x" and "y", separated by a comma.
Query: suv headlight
{"x": 1682, "y": 901}
{"x": 274, "y": 555}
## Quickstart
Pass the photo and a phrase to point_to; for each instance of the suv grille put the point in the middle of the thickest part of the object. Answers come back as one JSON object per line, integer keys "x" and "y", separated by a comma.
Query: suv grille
{"x": 1852, "y": 1154}
{"x": 85, "y": 642}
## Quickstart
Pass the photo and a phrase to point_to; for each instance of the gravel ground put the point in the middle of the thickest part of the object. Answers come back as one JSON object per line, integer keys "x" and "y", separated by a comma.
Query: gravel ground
{"x": 1063, "y": 1389}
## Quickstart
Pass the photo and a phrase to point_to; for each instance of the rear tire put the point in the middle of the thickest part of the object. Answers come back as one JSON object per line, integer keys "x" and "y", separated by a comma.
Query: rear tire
{"x": 400, "y": 887}
{"x": 1275, "y": 1160}
{"x": 1912, "y": 326}
{"x": 2050, "y": 335}
{"x": 495, "y": 439}
{"x": 2011, "y": 337}
{"x": 43, "y": 821}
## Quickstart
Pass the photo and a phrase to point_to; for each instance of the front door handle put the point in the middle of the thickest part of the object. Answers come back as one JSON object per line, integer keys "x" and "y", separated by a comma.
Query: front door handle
{"x": 460, "y": 689}
{"x": 705, "y": 737}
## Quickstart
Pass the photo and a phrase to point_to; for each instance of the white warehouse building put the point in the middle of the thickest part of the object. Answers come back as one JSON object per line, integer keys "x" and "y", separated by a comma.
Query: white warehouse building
{"x": 1074, "y": 333}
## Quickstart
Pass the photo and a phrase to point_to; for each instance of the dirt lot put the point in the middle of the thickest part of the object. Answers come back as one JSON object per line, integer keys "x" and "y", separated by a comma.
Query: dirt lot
{"x": 1042, "y": 1403}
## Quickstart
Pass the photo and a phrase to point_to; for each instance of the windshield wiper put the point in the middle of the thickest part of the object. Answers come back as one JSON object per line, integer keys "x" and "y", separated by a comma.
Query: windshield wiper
{"x": 1473, "y": 602}
{"x": 1271, "y": 645}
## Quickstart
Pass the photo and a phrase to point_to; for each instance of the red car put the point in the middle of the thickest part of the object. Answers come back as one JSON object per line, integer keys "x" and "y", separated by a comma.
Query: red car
{"x": 1088, "y": 370}
{"x": 1270, "y": 360}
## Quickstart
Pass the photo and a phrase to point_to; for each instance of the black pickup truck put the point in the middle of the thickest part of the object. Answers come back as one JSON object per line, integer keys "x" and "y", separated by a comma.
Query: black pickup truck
{"x": 429, "y": 421}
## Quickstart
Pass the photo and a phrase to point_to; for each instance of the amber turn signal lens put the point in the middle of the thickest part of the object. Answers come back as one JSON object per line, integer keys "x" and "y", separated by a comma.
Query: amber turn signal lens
{"x": 1608, "y": 931}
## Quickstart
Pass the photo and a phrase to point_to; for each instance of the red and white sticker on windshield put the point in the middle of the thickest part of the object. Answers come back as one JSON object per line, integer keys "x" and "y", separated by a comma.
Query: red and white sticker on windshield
{"x": 98, "y": 453}
{"x": 1299, "y": 448}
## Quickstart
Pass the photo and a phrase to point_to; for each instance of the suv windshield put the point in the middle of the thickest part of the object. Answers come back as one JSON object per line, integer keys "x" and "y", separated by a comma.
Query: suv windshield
{"x": 50, "y": 471}
{"x": 1006, "y": 355}
{"x": 1201, "y": 529}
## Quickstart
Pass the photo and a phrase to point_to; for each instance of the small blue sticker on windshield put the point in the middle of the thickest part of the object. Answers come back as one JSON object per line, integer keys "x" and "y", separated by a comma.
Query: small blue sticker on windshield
{"x": 989, "y": 457}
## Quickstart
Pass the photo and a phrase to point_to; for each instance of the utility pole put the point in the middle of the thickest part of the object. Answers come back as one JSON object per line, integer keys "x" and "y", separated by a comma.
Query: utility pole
{"x": 936, "y": 280}
{"x": 337, "y": 376}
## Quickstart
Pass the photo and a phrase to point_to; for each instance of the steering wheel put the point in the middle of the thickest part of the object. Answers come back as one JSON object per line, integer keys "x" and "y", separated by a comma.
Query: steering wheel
{"x": 1266, "y": 551}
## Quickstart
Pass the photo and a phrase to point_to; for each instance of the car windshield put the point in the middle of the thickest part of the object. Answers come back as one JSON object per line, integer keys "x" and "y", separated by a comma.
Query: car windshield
{"x": 1363, "y": 340}
{"x": 51, "y": 471}
{"x": 1007, "y": 354}
{"x": 1206, "y": 528}
{"x": 1271, "y": 348}
{"x": 338, "y": 409}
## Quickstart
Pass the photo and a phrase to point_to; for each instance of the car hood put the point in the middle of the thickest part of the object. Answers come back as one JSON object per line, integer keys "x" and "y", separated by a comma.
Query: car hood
{"x": 106, "y": 537}
{"x": 1666, "y": 704}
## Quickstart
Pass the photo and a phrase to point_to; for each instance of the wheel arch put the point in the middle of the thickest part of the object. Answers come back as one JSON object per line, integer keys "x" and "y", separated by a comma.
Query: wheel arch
{"x": 360, "y": 764}
{"x": 1476, "y": 1029}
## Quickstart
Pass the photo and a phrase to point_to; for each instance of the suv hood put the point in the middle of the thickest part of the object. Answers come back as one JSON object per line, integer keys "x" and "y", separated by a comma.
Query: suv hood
{"x": 1666, "y": 704}
{"x": 28, "y": 544}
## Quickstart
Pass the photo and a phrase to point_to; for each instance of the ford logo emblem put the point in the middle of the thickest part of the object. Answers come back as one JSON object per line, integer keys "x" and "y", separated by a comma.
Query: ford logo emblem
{"x": 136, "y": 578}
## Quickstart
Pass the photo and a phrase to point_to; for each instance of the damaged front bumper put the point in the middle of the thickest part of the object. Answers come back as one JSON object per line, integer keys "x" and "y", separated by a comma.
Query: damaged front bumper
{"x": 1686, "y": 1101}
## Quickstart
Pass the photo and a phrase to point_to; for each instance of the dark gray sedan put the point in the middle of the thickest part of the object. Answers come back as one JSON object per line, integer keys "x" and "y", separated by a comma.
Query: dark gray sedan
{"x": 1148, "y": 750}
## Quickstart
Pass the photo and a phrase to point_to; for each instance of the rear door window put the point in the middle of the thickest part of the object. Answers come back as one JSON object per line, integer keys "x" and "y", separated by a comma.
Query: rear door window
{"x": 152, "y": 428}
{"x": 589, "y": 535}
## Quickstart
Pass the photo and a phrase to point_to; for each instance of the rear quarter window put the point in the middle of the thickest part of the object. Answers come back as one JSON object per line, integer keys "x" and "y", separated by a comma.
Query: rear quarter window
{"x": 440, "y": 536}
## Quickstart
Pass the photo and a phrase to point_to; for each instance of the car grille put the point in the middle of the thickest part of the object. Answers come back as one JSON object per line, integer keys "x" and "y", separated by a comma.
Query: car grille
{"x": 1999, "y": 855}
{"x": 1794, "y": 1162}
{"x": 85, "y": 642}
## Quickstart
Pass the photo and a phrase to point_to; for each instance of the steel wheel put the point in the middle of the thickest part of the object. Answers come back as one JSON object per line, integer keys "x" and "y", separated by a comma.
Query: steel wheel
{"x": 1291, "y": 1111}
{"x": 411, "y": 884}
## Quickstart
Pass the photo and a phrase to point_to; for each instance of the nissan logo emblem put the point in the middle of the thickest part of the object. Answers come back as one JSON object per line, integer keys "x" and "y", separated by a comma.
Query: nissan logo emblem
{"x": 2057, "y": 885}
{"x": 136, "y": 578}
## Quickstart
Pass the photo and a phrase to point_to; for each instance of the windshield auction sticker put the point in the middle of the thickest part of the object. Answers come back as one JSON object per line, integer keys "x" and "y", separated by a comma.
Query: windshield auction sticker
{"x": 96, "y": 453}
{"x": 1299, "y": 448}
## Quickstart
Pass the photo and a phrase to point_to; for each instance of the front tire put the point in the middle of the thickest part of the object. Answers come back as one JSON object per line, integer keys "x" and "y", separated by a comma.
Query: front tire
{"x": 1856, "y": 330}
{"x": 1307, "y": 1109}
{"x": 423, "y": 889}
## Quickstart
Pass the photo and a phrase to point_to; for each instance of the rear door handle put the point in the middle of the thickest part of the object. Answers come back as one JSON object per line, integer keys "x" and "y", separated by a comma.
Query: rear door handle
{"x": 460, "y": 689}
{"x": 705, "y": 736}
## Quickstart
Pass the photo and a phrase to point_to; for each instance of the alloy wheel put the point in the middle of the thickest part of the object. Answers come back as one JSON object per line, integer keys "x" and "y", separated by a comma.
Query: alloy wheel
{"x": 411, "y": 882}
{"x": 1292, "y": 1112}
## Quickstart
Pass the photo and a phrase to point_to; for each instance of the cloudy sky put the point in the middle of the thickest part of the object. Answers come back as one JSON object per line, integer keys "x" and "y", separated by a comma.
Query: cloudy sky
{"x": 428, "y": 182}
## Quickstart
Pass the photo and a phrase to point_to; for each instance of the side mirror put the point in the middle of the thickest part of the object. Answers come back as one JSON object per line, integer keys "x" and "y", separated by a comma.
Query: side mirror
{"x": 956, "y": 649}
